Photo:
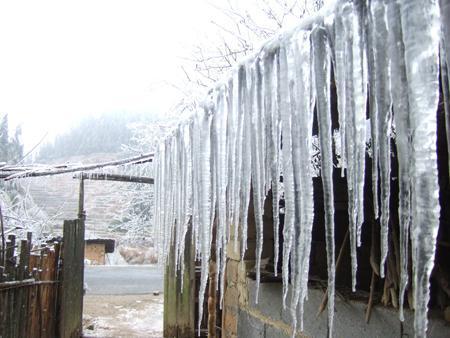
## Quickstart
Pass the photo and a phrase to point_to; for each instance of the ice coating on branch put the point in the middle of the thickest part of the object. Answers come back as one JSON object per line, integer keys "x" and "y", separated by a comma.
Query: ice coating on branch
{"x": 421, "y": 39}
{"x": 321, "y": 58}
{"x": 384, "y": 117}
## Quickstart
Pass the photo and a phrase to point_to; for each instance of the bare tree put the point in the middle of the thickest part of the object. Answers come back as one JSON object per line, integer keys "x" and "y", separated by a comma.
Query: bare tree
{"x": 236, "y": 31}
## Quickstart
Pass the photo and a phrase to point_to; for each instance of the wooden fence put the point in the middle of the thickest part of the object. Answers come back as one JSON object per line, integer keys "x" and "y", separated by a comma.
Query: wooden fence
{"x": 29, "y": 289}
{"x": 41, "y": 289}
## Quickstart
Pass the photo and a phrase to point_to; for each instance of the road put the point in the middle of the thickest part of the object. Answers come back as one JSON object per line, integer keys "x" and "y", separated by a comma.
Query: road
{"x": 123, "y": 279}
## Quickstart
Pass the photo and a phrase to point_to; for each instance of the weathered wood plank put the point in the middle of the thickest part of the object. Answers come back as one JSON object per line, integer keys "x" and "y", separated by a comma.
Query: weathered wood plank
{"x": 71, "y": 302}
{"x": 179, "y": 295}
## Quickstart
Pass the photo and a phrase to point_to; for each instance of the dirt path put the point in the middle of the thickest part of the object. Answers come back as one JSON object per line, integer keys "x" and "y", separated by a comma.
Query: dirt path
{"x": 123, "y": 316}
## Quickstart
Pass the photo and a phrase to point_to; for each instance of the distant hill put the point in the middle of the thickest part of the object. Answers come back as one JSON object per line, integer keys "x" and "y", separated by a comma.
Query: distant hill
{"x": 104, "y": 134}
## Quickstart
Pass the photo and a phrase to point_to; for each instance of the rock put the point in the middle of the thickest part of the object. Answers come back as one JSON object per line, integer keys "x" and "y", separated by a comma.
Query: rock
{"x": 156, "y": 293}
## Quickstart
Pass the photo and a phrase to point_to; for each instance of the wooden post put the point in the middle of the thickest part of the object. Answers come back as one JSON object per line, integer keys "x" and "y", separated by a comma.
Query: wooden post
{"x": 71, "y": 302}
{"x": 212, "y": 302}
{"x": 81, "y": 213}
{"x": 179, "y": 293}
{"x": 186, "y": 295}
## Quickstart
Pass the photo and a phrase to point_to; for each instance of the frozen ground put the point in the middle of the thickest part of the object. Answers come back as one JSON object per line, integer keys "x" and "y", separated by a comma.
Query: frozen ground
{"x": 123, "y": 316}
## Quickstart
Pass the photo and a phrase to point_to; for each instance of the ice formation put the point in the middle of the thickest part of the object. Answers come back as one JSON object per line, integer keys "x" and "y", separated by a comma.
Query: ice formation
{"x": 253, "y": 135}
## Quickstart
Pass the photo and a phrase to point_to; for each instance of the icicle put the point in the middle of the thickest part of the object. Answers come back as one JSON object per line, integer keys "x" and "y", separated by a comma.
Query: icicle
{"x": 231, "y": 146}
{"x": 273, "y": 137}
{"x": 238, "y": 107}
{"x": 373, "y": 111}
{"x": 288, "y": 175}
{"x": 220, "y": 153}
{"x": 340, "y": 76}
{"x": 384, "y": 117}
{"x": 302, "y": 99}
{"x": 445, "y": 66}
{"x": 258, "y": 168}
{"x": 399, "y": 94}
{"x": 321, "y": 59}
{"x": 350, "y": 139}
{"x": 355, "y": 141}
{"x": 421, "y": 40}
{"x": 205, "y": 202}
{"x": 359, "y": 109}
{"x": 246, "y": 173}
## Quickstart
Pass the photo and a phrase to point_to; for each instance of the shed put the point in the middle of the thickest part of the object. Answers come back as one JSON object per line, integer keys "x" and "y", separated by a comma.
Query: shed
{"x": 95, "y": 250}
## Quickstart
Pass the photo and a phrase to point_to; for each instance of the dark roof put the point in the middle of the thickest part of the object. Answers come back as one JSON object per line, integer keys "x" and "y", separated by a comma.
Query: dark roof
{"x": 109, "y": 243}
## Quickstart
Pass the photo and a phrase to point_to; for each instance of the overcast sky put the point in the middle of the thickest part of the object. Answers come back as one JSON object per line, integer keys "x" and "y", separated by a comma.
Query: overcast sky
{"x": 60, "y": 60}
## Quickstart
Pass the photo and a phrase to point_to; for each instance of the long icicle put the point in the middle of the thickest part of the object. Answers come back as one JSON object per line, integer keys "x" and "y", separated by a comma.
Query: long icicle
{"x": 384, "y": 117}
{"x": 321, "y": 59}
{"x": 399, "y": 94}
{"x": 421, "y": 39}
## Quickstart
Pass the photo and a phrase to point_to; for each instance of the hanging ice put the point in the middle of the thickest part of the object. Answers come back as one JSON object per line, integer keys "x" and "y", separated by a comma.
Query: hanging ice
{"x": 256, "y": 130}
{"x": 321, "y": 58}
{"x": 257, "y": 161}
{"x": 288, "y": 175}
{"x": 399, "y": 94}
{"x": 445, "y": 65}
{"x": 421, "y": 39}
{"x": 205, "y": 198}
{"x": 383, "y": 118}
{"x": 301, "y": 96}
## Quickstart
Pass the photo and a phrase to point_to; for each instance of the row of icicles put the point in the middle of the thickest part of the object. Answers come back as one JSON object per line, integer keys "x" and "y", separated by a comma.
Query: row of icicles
{"x": 257, "y": 126}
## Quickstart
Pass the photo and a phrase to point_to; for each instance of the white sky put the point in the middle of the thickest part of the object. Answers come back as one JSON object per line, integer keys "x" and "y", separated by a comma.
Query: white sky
{"x": 60, "y": 60}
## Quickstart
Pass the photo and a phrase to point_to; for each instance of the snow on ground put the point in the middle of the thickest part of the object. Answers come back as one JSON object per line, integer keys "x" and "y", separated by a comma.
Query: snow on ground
{"x": 123, "y": 316}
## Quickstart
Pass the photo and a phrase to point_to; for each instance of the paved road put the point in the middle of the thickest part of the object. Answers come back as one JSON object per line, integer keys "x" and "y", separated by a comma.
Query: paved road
{"x": 123, "y": 279}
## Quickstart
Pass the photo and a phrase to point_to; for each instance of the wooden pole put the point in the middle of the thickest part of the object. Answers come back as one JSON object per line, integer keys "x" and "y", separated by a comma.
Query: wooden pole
{"x": 114, "y": 177}
{"x": 212, "y": 300}
{"x": 67, "y": 169}
{"x": 81, "y": 213}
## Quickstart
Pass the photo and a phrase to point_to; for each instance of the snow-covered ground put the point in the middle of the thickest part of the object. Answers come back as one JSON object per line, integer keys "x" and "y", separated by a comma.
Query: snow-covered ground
{"x": 123, "y": 316}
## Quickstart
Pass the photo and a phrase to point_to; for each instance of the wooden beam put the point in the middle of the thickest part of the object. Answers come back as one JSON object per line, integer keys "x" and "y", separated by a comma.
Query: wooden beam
{"x": 114, "y": 177}
{"x": 49, "y": 171}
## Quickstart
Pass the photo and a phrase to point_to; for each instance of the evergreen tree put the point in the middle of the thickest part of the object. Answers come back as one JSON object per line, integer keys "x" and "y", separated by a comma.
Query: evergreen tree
{"x": 11, "y": 149}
